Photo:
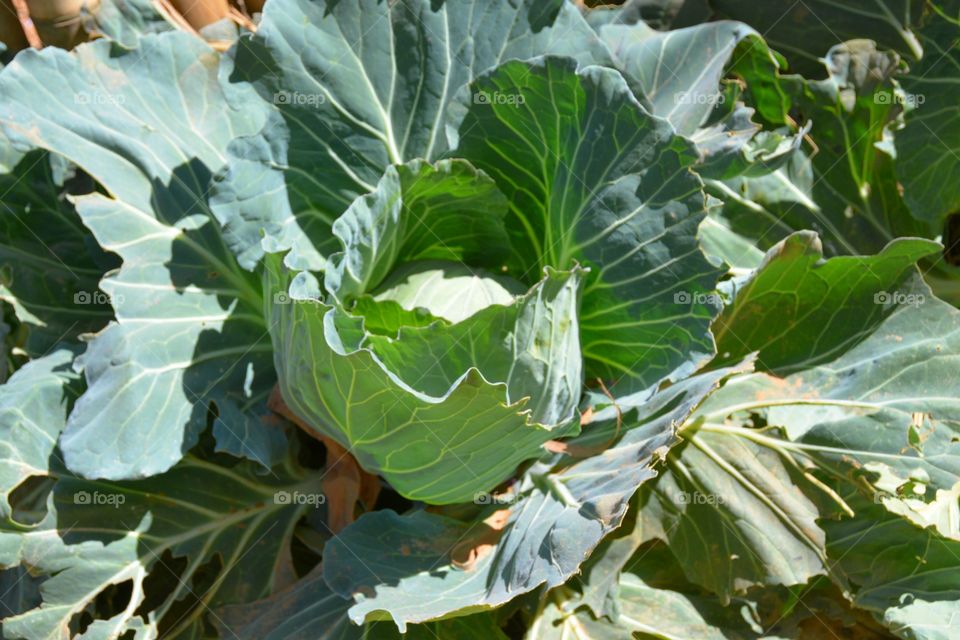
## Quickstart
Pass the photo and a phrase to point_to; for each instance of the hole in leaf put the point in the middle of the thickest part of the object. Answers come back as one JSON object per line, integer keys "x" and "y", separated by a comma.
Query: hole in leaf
{"x": 29, "y": 499}
{"x": 111, "y": 600}
{"x": 163, "y": 579}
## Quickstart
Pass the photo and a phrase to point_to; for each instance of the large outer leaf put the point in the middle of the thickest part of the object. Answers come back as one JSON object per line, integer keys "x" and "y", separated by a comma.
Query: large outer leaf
{"x": 734, "y": 516}
{"x": 907, "y": 365}
{"x": 798, "y": 310}
{"x": 50, "y": 266}
{"x": 926, "y": 149}
{"x": 98, "y": 534}
{"x": 436, "y": 439}
{"x": 659, "y": 14}
{"x": 856, "y": 412}
{"x": 804, "y": 31}
{"x": 33, "y": 410}
{"x": 907, "y": 576}
{"x": 360, "y": 85}
{"x": 865, "y": 399}
{"x": 152, "y": 126}
{"x": 883, "y": 415}
{"x": 628, "y": 210}
{"x": 654, "y": 600}
{"x": 680, "y": 72}
{"x": 888, "y": 406}
{"x": 561, "y": 513}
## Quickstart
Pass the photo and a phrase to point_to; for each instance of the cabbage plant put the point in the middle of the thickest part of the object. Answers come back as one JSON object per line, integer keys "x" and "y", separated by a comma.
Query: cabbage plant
{"x": 502, "y": 319}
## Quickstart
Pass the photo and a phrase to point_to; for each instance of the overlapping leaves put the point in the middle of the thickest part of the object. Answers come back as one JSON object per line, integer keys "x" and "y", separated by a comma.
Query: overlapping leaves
{"x": 628, "y": 210}
{"x": 359, "y": 86}
{"x": 461, "y": 212}
{"x": 151, "y": 126}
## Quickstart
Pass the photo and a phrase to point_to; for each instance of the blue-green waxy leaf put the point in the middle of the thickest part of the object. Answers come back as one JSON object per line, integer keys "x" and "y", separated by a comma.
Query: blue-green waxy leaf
{"x": 359, "y": 86}
{"x": 430, "y": 408}
{"x": 906, "y": 575}
{"x": 97, "y": 534}
{"x": 887, "y": 408}
{"x": 189, "y": 331}
{"x": 906, "y": 365}
{"x": 643, "y": 612}
{"x": 879, "y": 405}
{"x": 229, "y": 520}
{"x": 629, "y": 210}
{"x": 33, "y": 410}
{"x": 763, "y": 528}
{"x": 798, "y": 310}
{"x": 679, "y": 74}
{"x": 559, "y": 511}
{"x": 879, "y": 417}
